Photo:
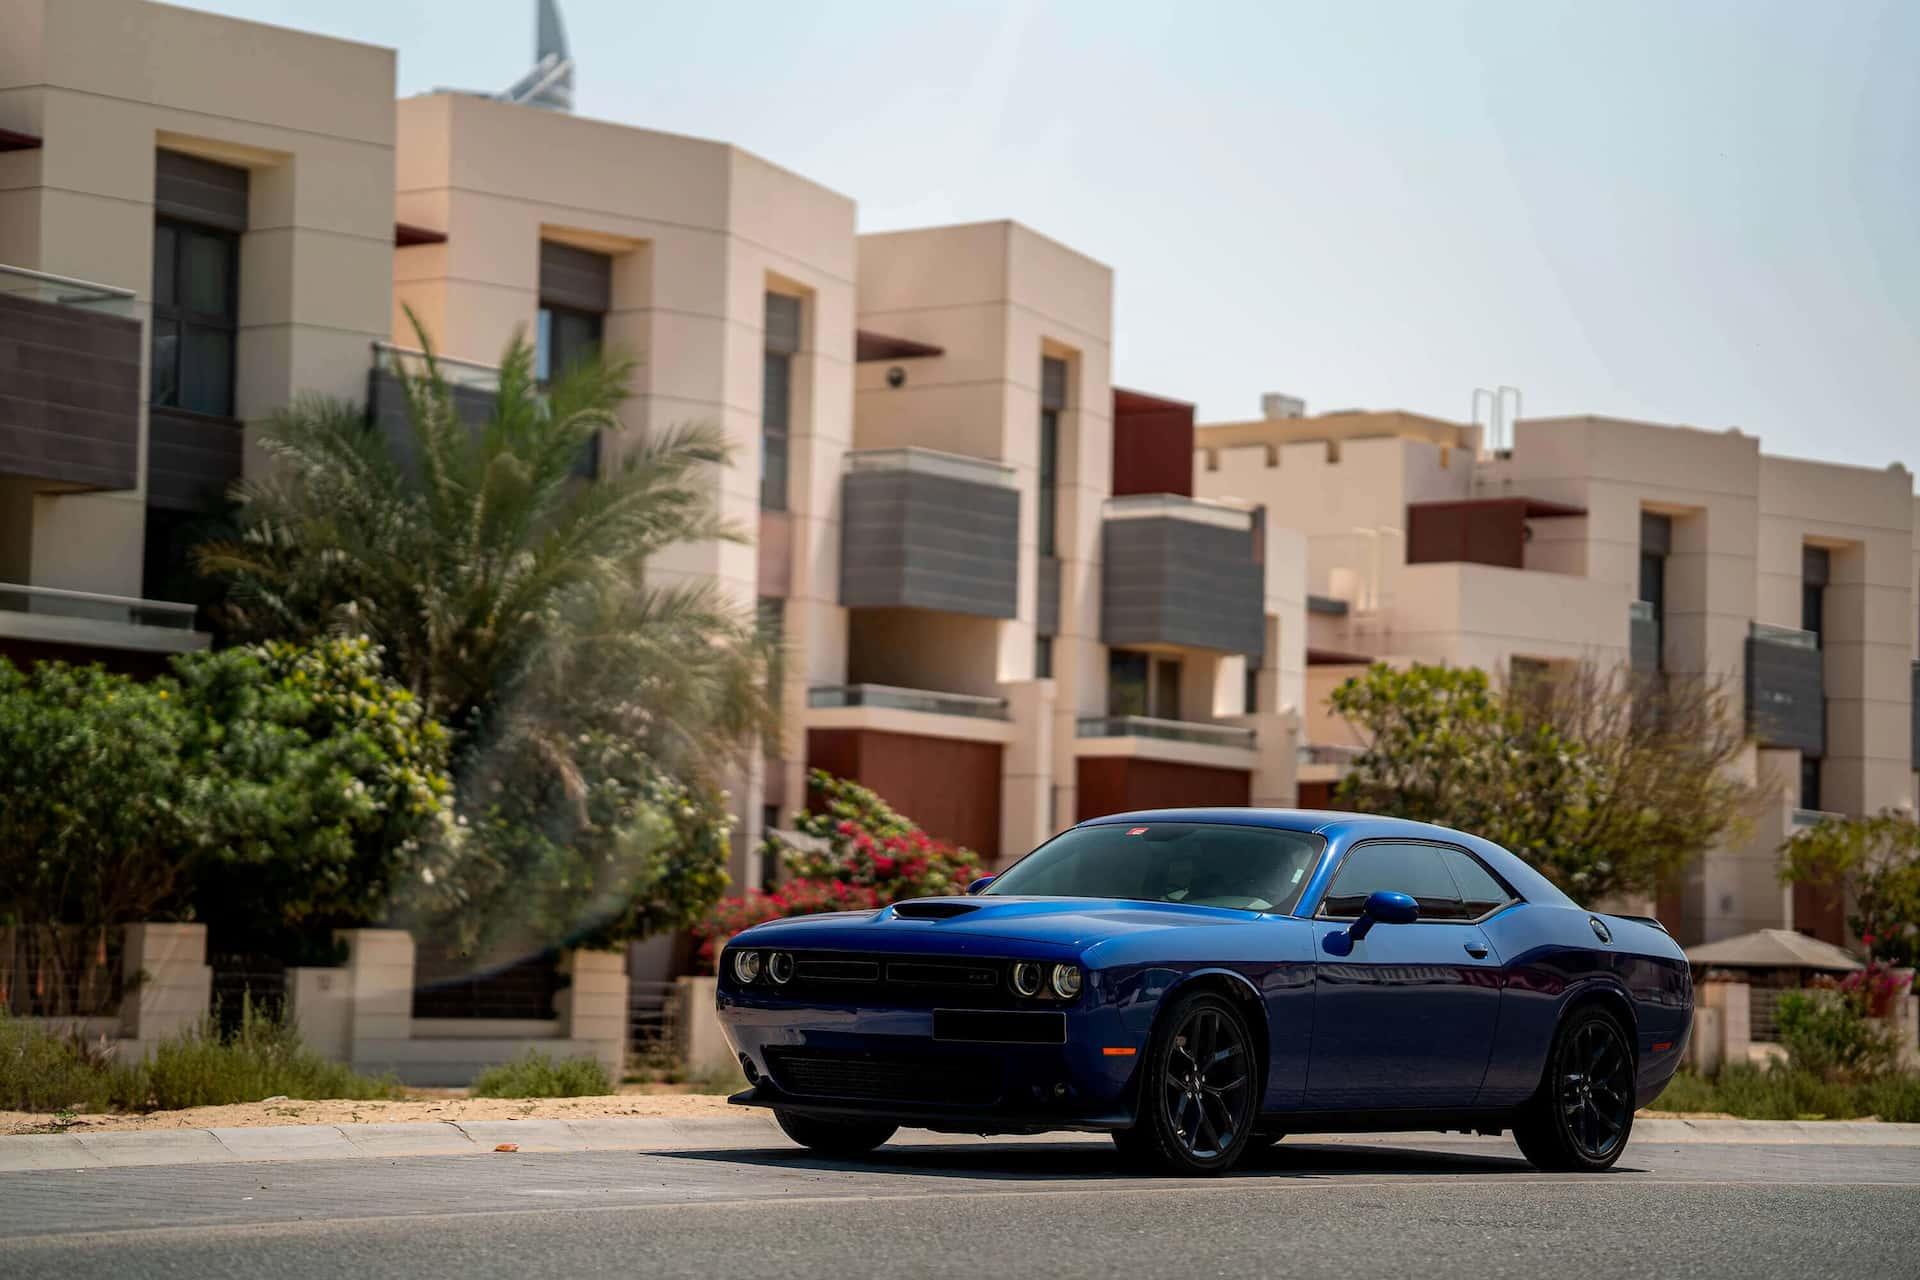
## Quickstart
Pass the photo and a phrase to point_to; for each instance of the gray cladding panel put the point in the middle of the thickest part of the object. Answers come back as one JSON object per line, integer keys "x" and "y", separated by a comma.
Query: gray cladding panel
{"x": 911, "y": 540}
{"x": 1171, "y": 581}
{"x": 1046, "y": 617}
{"x": 573, "y": 277}
{"x": 1644, "y": 644}
{"x": 69, "y": 394}
{"x": 191, "y": 458}
{"x": 1786, "y": 701}
{"x": 199, "y": 190}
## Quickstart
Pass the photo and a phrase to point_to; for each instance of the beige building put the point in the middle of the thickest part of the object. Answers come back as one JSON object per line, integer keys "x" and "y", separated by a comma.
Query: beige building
{"x": 1666, "y": 548}
{"x": 196, "y": 222}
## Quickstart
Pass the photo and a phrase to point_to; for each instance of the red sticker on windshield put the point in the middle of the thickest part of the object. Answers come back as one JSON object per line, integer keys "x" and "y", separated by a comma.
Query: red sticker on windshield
{"x": 1136, "y": 831}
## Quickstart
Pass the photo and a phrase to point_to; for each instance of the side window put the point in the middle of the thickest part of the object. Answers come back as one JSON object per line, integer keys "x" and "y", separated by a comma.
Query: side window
{"x": 1481, "y": 892}
{"x": 1414, "y": 869}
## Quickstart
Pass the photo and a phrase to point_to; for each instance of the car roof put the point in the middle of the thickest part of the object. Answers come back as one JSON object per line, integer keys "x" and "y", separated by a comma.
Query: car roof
{"x": 1345, "y": 828}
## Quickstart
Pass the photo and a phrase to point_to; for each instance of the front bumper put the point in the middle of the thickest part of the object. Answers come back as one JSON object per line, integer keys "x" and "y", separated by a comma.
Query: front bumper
{"x": 886, "y": 1064}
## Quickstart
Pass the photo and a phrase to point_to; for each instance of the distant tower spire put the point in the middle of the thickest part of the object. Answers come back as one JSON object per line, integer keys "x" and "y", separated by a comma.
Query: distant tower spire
{"x": 550, "y": 83}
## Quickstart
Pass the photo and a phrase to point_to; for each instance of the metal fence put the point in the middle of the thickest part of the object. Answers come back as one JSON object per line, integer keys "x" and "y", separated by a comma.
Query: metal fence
{"x": 653, "y": 1025}
{"x": 60, "y": 973}
{"x": 244, "y": 984}
{"x": 446, "y": 985}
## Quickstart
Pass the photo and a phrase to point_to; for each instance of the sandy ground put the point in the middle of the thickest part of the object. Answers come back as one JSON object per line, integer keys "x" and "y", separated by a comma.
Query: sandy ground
{"x": 442, "y": 1104}
{"x": 422, "y": 1105}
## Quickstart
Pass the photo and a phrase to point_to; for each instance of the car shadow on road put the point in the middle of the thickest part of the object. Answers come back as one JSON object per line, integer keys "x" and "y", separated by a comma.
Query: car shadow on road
{"x": 1009, "y": 1162}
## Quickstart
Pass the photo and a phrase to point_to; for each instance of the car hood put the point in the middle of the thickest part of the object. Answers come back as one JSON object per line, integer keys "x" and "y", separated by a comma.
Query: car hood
{"x": 929, "y": 924}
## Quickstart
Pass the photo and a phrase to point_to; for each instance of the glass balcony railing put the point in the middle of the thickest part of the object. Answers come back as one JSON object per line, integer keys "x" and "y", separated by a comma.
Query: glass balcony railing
{"x": 65, "y": 291}
{"x": 458, "y": 373}
{"x": 1320, "y": 753}
{"x": 52, "y": 602}
{"x": 1209, "y": 735}
{"x": 899, "y": 699}
{"x": 1812, "y": 817}
{"x": 1146, "y": 506}
{"x": 1793, "y": 637}
{"x": 954, "y": 466}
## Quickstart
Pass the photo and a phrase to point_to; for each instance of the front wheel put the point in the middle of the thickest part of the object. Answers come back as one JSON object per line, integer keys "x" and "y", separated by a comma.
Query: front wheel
{"x": 1583, "y": 1112}
{"x": 842, "y": 1138}
{"x": 1197, "y": 1092}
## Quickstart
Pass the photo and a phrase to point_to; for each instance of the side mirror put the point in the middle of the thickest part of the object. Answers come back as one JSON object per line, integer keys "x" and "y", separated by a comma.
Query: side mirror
{"x": 1383, "y": 907}
{"x": 979, "y": 884}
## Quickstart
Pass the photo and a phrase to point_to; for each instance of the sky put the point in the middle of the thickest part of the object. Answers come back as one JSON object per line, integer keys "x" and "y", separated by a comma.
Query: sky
{"x": 1703, "y": 212}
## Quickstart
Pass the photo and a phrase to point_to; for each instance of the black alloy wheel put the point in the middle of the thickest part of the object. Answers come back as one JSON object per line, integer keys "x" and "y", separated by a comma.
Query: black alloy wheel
{"x": 1199, "y": 1091}
{"x": 1583, "y": 1113}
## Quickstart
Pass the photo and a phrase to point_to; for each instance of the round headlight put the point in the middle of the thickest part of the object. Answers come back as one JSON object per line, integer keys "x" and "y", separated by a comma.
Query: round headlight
{"x": 780, "y": 968}
{"x": 746, "y": 965}
{"x": 1066, "y": 981}
{"x": 1026, "y": 978}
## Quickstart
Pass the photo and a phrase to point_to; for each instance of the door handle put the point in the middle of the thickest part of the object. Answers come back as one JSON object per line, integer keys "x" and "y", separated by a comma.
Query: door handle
{"x": 1478, "y": 950}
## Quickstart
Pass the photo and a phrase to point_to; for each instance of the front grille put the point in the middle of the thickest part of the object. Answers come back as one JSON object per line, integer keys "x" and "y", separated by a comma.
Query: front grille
{"x": 812, "y": 970}
{"x": 893, "y": 981}
{"x": 920, "y": 973}
{"x": 808, "y": 1073}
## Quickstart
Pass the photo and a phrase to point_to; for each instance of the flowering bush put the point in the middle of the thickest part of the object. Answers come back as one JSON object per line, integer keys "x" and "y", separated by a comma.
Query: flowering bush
{"x": 1828, "y": 1034}
{"x": 1877, "y": 985}
{"x": 864, "y": 855}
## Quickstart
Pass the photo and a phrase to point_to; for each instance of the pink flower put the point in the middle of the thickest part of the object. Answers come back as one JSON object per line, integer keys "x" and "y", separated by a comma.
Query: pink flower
{"x": 884, "y": 865}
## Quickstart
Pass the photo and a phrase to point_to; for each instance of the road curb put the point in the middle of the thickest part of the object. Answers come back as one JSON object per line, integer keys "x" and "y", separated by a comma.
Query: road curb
{"x": 285, "y": 1143}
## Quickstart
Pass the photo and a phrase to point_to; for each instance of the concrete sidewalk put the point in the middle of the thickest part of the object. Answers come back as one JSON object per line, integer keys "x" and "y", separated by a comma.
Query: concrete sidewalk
{"x": 746, "y": 1131}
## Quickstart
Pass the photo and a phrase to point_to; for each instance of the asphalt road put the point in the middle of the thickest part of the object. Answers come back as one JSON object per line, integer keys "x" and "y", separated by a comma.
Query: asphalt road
{"x": 1439, "y": 1207}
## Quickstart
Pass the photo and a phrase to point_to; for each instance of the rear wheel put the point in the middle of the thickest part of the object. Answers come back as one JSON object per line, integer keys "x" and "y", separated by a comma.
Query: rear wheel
{"x": 831, "y": 1137}
{"x": 1197, "y": 1094}
{"x": 1583, "y": 1112}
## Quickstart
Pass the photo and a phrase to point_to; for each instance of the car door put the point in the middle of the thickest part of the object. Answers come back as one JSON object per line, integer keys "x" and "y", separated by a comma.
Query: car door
{"x": 1407, "y": 1019}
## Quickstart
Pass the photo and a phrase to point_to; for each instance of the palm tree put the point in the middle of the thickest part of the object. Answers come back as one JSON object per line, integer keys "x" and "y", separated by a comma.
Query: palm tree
{"x": 509, "y": 592}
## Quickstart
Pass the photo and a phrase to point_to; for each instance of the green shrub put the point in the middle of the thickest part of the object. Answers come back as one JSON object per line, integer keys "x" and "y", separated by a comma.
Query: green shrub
{"x": 262, "y": 1058}
{"x": 40, "y": 1071}
{"x": 536, "y": 1075}
{"x": 1828, "y": 1034}
{"x": 1782, "y": 1092}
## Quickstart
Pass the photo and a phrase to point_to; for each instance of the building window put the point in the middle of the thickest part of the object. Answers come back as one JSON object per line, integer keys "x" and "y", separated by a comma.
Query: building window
{"x": 1043, "y": 657}
{"x": 1810, "y": 782}
{"x": 1250, "y": 687}
{"x": 1815, "y": 564}
{"x": 196, "y": 310}
{"x": 566, "y": 337}
{"x": 1053, "y": 398}
{"x": 776, "y": 398}
{"x": 1141, "y": 684}
{"x": 1656, "y": 540}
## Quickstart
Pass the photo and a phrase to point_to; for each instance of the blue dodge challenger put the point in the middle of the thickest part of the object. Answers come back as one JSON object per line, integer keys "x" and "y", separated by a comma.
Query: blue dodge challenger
{"x": 1196, "y": 982}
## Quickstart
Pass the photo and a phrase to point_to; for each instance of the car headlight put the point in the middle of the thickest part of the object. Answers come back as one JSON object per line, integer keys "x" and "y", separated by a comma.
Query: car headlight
{"x": 1066, "y": 981}
{"x": 746, "y": 965}
{"x": 1027, "y": 977}
{"x": 780, "y": 968}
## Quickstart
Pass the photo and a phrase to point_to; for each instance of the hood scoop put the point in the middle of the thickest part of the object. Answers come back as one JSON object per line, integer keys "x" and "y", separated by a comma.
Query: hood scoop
{"x": 933, "y": 909}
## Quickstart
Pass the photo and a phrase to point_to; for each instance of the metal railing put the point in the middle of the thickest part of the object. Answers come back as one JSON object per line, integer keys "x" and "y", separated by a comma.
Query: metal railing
{"x": 936, "y": 462}
{"x": 1143, "y": 506}
{"x": 92, "y": 606}
{"x": 899, "y": 699}
{"x": 65, "y": 291}
{"x": 1210, "y": 735}
{"x": 1802, "y": 818}
{"x": 1323, "y": 753}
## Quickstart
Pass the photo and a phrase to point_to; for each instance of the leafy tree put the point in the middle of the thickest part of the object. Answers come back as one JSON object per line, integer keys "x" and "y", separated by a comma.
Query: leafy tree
{"x": 1605, "y": 784}
{"x": 589, "y": 705}
{"x": 1874, "y": 864}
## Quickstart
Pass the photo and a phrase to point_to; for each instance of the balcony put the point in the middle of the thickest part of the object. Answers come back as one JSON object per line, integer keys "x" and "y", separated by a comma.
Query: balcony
{"x": 69, "y": 381}
{"x": 1193, "y": 731}
{"x": 922, "y": 529}
{"x": 49, "y": 615}
{"x": 895, "y": 698}
{"x": 1801, "y": 819}
{"x": 1181, "y": 571}
{"x": 1786, "y": 695}
{"x": 473, "y": 386}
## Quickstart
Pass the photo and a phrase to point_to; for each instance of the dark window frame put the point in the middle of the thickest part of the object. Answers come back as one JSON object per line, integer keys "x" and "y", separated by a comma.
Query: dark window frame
{"x": 549, "y": 361}
{"x": 173, "y": 312}
{"x": 1049, "y": 509}
{"x": 1441, "y": 848}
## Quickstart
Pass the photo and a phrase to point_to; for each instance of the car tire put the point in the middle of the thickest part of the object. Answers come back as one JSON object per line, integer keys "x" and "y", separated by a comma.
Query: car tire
{"x": 830, "y": 1137}
{"x": 1199, "y": 1089}
{"x": 1581, "y": 1116}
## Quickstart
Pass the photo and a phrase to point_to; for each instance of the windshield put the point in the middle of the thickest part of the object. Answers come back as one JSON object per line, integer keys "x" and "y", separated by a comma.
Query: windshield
{"x": 1197, "y": 863}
